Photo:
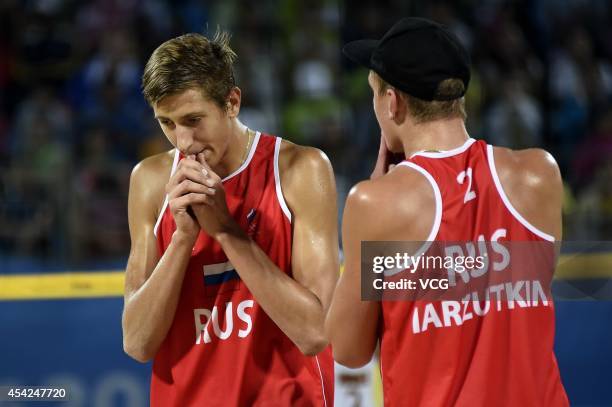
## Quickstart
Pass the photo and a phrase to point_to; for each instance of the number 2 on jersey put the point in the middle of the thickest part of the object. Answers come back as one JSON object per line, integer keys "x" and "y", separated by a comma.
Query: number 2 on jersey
{"x": 469, "y": 194}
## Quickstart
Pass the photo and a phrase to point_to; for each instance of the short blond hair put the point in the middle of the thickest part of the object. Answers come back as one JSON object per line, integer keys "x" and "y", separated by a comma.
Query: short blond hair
{"x": 191, "y": 61}
{"x": 423, "y": 111}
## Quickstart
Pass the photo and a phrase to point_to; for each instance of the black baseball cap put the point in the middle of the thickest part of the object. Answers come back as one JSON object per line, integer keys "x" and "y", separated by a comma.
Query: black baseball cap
{"x": 414, "y": 56}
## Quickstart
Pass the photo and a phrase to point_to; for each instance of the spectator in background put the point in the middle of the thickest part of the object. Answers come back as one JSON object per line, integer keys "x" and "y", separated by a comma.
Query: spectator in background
{"x": 27, "y": 215}
{"x": 98, "y": 221}
{"x": 595, "y": 151}
{"x": 42, "y": 106}
{"x": 581, "y": 85}
{"x": 514, "y": 119}
{"x": 34, "y": 186}
{"x": 543, "y": 66}
{"x": 593, "y": 215}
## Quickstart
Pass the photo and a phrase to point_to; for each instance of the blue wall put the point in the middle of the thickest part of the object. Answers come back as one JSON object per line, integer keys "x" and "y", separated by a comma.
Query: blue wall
{"x": 78, "y": 343}
{"x": 584, "y": 351}
{"x": 75, "y": 342}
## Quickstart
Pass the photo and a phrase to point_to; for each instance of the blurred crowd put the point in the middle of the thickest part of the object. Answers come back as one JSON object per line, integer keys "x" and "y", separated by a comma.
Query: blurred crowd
{"x": 73, "y": 122}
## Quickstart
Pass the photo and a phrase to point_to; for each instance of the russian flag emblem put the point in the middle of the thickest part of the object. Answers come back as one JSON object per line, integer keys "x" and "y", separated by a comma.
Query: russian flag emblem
{"x": 220, "y": 277}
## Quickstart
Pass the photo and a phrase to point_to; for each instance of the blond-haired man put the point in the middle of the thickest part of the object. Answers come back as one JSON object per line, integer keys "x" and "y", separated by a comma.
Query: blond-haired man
{"x": 234, "y": 246}
{"x": 463, "y": 351}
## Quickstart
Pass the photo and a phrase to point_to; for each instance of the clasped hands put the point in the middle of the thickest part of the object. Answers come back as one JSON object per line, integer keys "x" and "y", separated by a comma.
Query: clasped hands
{"x": 197, "y": 199}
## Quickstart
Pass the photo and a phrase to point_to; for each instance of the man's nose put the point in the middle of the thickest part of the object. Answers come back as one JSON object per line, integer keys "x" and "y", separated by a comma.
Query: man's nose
{"x": 184, "y": 138}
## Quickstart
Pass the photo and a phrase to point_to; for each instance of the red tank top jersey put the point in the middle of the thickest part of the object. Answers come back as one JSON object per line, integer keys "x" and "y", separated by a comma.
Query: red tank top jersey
{"x": 479, "y": 356}
{"x": 222, "y": 348}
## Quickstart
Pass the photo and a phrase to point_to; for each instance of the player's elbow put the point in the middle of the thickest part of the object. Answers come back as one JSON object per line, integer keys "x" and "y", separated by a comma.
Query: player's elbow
{"x": 350, "y": 358}
{"x": 312, "y": 345}
{"x": 347, "y": 351}
{"x": 137, "y": 351}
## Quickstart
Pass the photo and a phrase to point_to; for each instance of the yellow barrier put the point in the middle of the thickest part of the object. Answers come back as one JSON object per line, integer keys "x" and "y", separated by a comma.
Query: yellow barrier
{"x": 61, "y": 285}
{"x": 578, "y": 266}
{"x": 110, "y": 283}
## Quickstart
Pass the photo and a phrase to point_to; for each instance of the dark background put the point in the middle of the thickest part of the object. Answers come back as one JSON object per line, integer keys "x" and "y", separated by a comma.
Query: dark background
{"x": 73, "y": 123}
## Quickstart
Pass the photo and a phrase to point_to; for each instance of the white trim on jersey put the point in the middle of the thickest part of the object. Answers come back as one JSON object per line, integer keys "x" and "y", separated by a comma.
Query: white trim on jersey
{"x": 322, "y": 384}
{"x": 163, "y": 209}
{"x": 448, "y": 153}
{"x": 279, "y": 191}
{"x": 248, "y": 159}
{"x": 437, "y": 218}
{"x": 504, "y": 197}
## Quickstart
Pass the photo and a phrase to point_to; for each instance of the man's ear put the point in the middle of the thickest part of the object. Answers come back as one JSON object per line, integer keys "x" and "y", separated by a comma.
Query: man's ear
{"x": 396, "y": 107}
{"x": 233, "y": 102}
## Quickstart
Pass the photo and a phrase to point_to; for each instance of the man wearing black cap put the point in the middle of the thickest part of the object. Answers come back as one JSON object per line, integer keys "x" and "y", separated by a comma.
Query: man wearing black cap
{"x": 450, "y": 188}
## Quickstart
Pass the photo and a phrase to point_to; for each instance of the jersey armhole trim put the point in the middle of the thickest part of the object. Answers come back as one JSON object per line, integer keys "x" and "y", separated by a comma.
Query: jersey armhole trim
{"x": 437, "y": 217}
{"x": 277, "y": 181}
{"x": 322, "y": 383}
{"x": 504, "y": 197}
{"x": 163, "y": 209}
{"x": 437, "y": 195}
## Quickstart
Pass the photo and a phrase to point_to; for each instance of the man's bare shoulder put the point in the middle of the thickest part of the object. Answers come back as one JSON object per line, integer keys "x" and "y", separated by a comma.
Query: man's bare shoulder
{"x": 154, "y": 165}
{"x": 533, "y": 172}
{"x": 295, "y": 159}
{"x": 149, "y": 179}
{"x": 306, "y": 173}
{"x": 533, "y": 167}
{"x": 532, "y": 182}
{"x": 397, "y": 206}
{"x": 400, "y": 183}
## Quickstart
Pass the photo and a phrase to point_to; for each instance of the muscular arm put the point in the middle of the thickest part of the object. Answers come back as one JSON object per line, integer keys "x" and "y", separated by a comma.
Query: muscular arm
{"x": 152, "y": 285}
{"x": 375, "y": 210}
{"x": 351, "y": 324}
{"x": 297, "y": 305}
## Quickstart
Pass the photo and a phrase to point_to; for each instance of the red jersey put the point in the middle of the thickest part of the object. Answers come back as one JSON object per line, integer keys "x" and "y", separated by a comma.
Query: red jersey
{"x": 470, "y": 353}
{"x": 222, "y": 348}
